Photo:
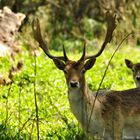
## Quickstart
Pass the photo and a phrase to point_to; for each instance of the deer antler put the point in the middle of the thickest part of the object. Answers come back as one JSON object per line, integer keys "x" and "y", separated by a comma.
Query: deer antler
{"x": 111, "y": 25}
{"x": 43, "y": 44}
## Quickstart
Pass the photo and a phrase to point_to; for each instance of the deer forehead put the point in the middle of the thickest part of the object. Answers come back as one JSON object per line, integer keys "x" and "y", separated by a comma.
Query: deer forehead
{"x": 74, "y": 66}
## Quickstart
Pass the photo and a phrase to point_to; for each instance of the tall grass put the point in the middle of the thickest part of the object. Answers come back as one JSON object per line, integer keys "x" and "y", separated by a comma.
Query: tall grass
{"x": 39, "y": 85}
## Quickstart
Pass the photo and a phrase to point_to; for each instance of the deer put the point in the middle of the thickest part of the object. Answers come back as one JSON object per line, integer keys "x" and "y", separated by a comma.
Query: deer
{"x": 115, "y": 113}
{"x": 135, "y": 67}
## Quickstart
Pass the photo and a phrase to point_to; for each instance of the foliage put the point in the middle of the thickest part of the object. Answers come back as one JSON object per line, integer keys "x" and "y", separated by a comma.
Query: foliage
{"x": 69, "y": 23}
{"x": 72, "y": 19}
{"x": 81, "y": 20}
{"x": 17, "y": 109}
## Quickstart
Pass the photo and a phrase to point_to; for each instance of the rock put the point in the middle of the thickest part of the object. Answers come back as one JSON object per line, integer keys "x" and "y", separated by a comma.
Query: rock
{"x": 10, "y": 23}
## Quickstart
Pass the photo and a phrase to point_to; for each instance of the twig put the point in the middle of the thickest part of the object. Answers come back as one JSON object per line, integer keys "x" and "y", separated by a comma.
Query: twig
{"x": 7, "y": 113}
{"x": 9, "y": 89}
{"x": 32, "y": 129}
{"x": 35, "y": 98}
{"x": 119, "y": 45}
{"x": 19, "y": 115}
{"x": 26, "y": 122}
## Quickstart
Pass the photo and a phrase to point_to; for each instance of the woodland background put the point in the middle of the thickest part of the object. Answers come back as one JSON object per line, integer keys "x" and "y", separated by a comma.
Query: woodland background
{"x": 33, "y": 93}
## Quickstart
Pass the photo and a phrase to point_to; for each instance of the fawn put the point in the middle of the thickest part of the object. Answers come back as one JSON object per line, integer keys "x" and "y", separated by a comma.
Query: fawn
{"x": 135, "y": 67}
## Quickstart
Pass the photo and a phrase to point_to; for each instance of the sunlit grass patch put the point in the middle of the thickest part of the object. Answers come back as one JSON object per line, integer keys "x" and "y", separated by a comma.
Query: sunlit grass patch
{"x": 17, "y": 105}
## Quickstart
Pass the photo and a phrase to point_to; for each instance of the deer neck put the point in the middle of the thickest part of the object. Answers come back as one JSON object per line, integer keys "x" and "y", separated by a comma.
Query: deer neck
{"x": 78, "y": 103}
{"x": 81, "y": 102}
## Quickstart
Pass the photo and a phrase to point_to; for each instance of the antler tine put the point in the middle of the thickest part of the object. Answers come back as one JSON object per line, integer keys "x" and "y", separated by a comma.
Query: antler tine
{"x": 64, "y": 53}
{"x": 111, "y": 25}
{"x": 38, "y": 37}
{"x": 84, "y": 53}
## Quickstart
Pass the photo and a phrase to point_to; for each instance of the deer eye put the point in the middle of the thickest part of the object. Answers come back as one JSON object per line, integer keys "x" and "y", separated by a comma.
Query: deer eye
{"x": 83, "y": 71}
{"x": 65, "y": 71}
{"x": 133, "y": 70}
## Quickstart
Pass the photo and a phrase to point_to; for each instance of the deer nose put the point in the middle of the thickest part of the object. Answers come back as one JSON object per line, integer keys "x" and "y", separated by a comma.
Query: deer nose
{"x": 138, "y": 78}
{"x": 74, "y": 84}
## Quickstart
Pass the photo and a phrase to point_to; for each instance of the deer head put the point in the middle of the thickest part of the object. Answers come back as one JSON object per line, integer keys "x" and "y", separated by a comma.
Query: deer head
{"x": 74, "y": 70}
{"x": 135, "y": 67}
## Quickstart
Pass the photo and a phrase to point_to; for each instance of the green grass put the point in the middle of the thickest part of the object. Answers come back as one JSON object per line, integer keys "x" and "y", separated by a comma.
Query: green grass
{"x": 56, "y": 122}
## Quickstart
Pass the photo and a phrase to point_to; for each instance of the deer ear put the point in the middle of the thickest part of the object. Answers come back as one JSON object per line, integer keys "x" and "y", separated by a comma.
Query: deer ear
{"x": 59, "y": 64}
{"x": 89, "y": 63}
{"x": 129, "y": 63}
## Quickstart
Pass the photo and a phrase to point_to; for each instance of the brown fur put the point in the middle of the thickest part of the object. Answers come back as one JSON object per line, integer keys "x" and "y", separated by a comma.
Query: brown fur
{"x": 116, "y": 113}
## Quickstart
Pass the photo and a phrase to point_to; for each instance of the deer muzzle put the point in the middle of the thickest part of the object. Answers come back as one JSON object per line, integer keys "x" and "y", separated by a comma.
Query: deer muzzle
{"x": 138, "y": 78}
{"x": 74, "y": 84}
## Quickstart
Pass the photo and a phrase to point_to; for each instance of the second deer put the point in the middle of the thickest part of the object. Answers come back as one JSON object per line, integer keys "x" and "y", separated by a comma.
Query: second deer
{"x": 135, "y": 67}
{"x": 115, "y": 113}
